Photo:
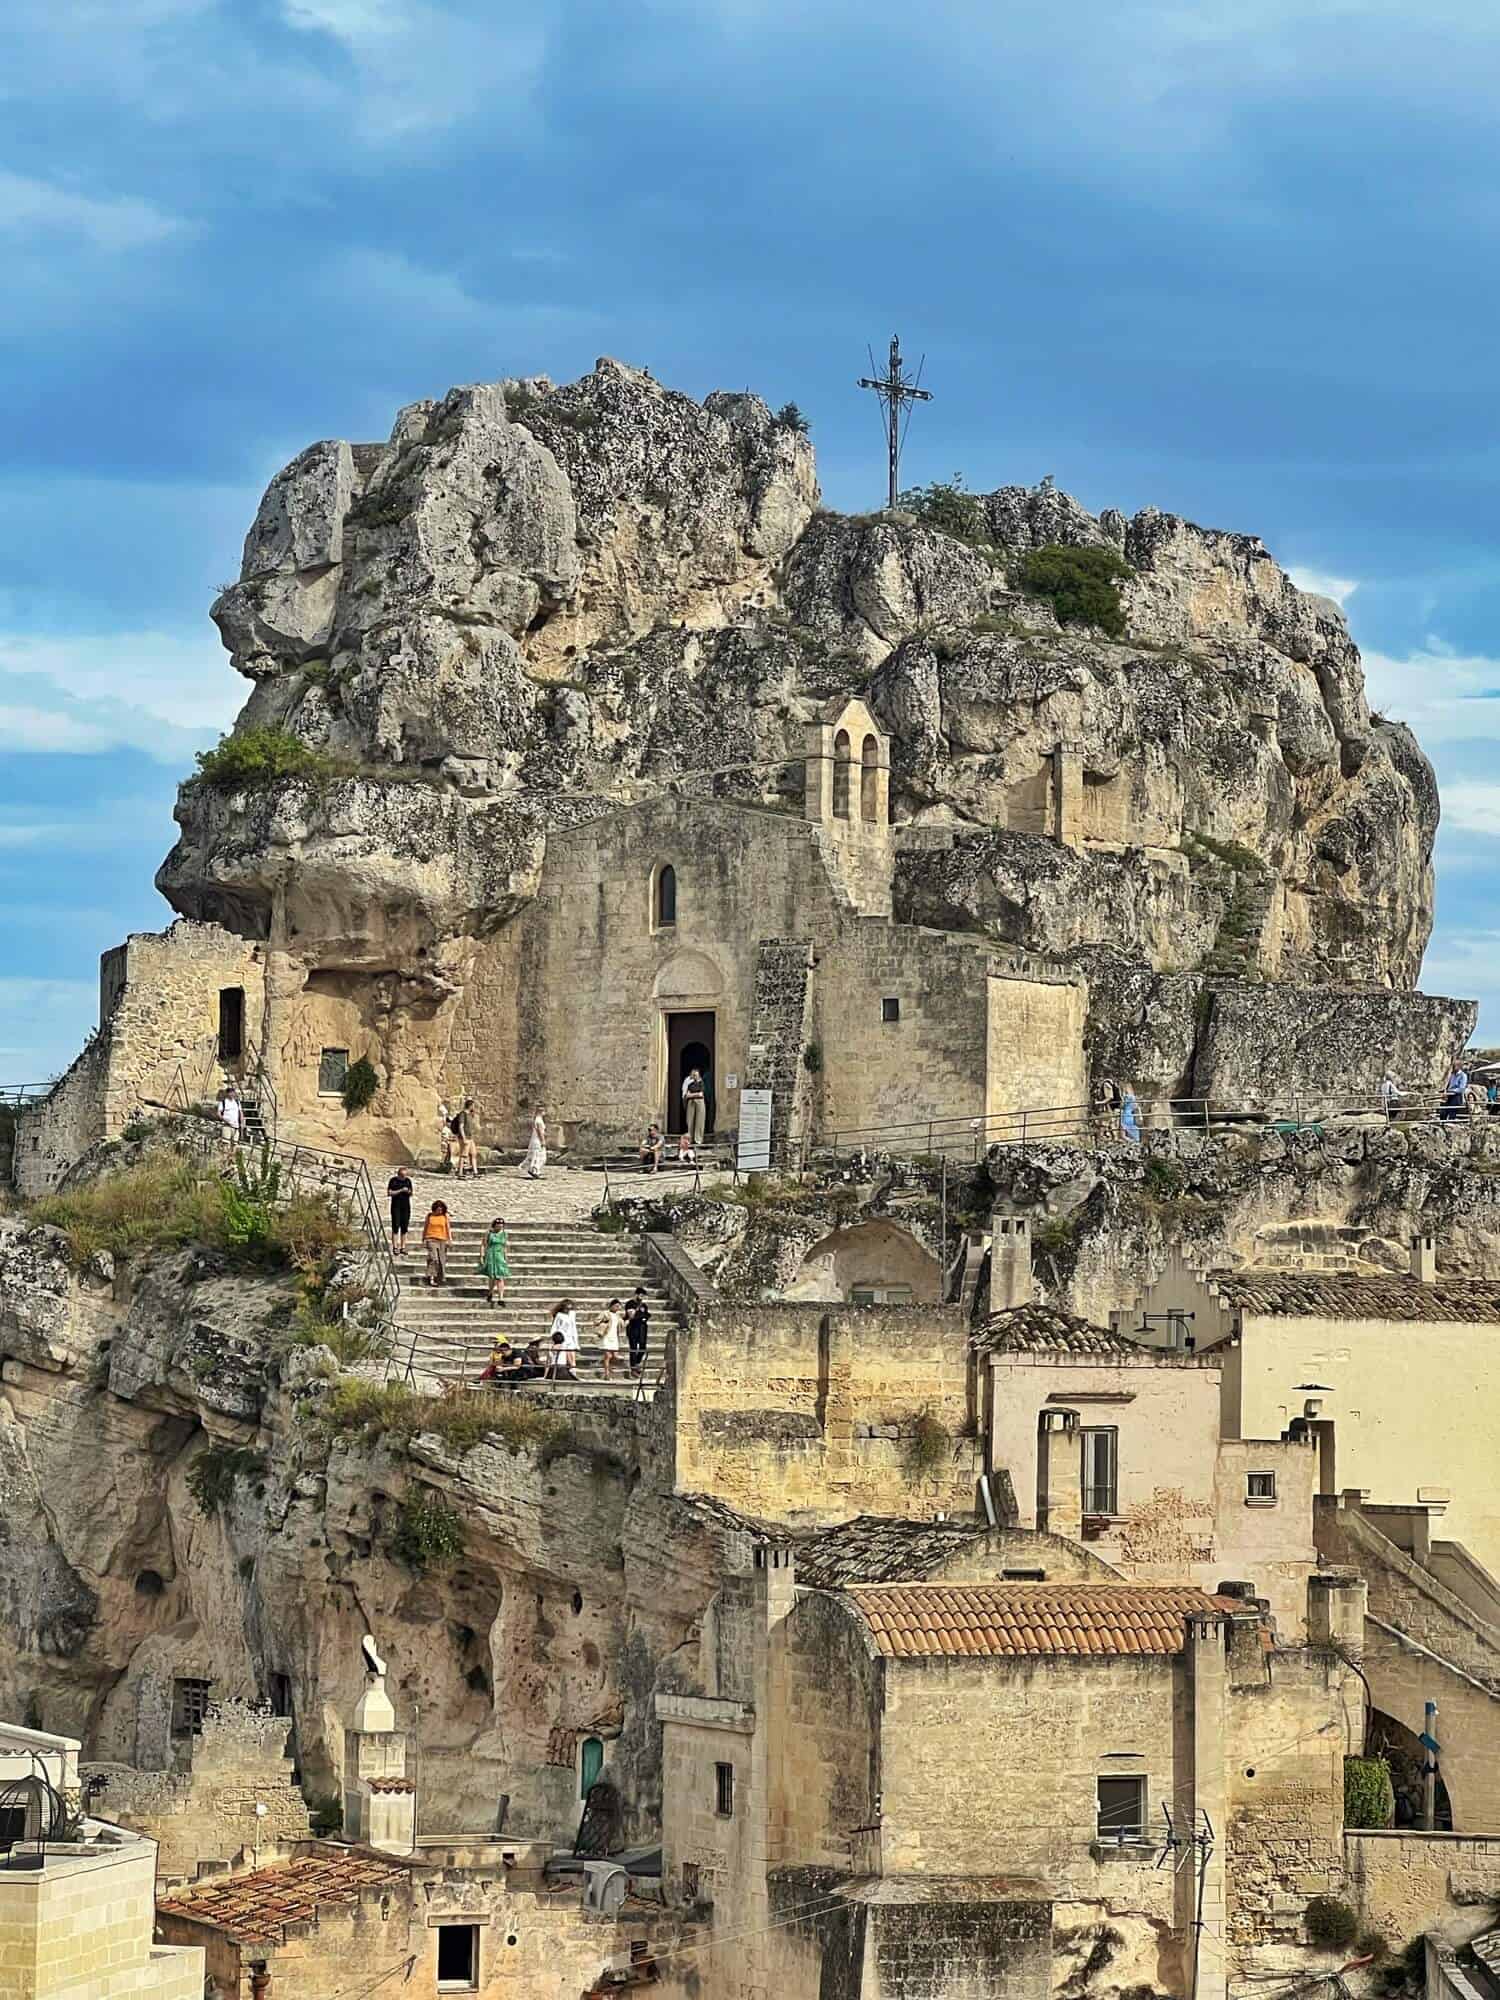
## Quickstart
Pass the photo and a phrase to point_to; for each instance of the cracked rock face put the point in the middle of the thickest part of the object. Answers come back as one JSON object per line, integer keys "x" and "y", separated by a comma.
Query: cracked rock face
{"x": 535, "y": 595}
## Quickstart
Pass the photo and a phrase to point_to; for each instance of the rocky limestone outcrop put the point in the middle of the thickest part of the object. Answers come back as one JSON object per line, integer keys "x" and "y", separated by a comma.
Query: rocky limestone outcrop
{"x": 537, "y": 592}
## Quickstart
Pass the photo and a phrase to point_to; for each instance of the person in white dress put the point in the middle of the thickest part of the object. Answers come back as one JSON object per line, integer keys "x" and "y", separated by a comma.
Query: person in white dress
{"x": 611, "y": 1324}
{"x": 231, "y": 1115}
{"x": 562, "y": 1362}
{"x": 536, "y": 1151}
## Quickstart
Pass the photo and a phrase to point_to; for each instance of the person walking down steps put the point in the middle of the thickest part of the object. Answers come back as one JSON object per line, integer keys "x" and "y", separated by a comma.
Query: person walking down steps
{"x": 611, "y": 1324}
{"x": 493, "y": 1260}
{"x": 437, "y": 1239}
{"x": 398, "y": 1189}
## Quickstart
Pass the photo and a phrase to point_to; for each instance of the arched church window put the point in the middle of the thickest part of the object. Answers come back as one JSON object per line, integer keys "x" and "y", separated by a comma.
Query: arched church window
{"x": 841, "y": 752}
{"x": 869, "y": 779}
{"x": 666, "y": 896}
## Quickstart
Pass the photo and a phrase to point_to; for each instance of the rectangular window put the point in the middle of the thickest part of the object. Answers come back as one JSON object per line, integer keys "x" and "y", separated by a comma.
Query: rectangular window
{"x": 231, "y": 1023}
{"x": 333, "y": 1067}
{"x": 1023, "y": 1576}
{"x": 1260, "y": 1489}
{"x": 458, "y": 1958}
{"x": 1101, "y": 1471}
{"x": 724, "y": 1790}
{"x": 1122, "y": 1808}
{"x": 189, "y": 1706}
{"x": 880, "y": 1295}
{"x": 890, "y": 1008}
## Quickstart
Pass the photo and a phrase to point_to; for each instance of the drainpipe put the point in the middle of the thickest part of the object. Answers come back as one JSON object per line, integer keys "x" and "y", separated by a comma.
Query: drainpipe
{"x": 260, "y": 1979}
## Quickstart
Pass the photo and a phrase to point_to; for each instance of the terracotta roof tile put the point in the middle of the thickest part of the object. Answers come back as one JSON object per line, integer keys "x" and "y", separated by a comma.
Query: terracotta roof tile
{"x": 1038, "y": 1329}
{"x": 259, "y": 1908}
{"x": 1010, "y": 1620}
{"x": 1389, "y": 1295}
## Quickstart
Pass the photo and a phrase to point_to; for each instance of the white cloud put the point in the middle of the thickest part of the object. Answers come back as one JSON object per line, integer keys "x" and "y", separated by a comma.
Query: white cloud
{"x": 1339, "y": 588}
{"x": 1472, "y": 808}
{"x": 1447, "y": 698}
{"x": 351, "y": 21}
{"x": 42, "y": 1022}
{"x": 31, "y": 208}
{"x": 164, "y": 693}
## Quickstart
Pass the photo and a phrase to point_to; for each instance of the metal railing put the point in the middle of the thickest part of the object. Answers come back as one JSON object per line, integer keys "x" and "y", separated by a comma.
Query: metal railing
{"x": 970, "y": 1138}
{"x": 193, "y": 1093}
{"x": 342, "y": 1179}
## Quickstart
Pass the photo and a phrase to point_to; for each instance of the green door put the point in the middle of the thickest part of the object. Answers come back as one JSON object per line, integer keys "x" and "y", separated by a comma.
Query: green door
{"x": 590, "y": 1765}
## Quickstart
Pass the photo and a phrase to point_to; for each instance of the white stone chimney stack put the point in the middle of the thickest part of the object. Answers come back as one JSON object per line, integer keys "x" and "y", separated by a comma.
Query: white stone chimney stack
{"x": 1424, "y": 1259}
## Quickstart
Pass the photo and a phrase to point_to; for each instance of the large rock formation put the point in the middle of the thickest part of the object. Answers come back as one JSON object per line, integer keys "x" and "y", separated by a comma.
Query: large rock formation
{"x": 534, "y": 593}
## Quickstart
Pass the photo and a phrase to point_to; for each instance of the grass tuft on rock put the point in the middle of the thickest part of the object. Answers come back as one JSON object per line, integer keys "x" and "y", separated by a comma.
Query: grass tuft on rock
{"x": 358, "y": 1410}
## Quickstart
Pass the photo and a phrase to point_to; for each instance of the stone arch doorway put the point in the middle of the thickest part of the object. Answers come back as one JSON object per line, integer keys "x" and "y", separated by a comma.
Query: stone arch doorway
{"x": 690, "y": 1045}
{"x": 1387, "y": 1737}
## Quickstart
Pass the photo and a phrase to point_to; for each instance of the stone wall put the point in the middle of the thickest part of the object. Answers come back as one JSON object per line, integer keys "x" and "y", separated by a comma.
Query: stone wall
{"x": 236, "y": 1794}
{"x": 1407, "y": 1883}
{"x": 780, "y": 1037}
{"x": 806, "y": 1413}
{"x": 158, "y": 1034}
{"x": 83, "y": 1925}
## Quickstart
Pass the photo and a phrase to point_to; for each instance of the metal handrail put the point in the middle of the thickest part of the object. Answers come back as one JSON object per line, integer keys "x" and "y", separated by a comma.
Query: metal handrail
{"x": 971, "y": 1136}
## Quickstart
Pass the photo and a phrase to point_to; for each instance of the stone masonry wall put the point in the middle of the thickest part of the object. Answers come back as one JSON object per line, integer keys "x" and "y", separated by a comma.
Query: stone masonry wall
{"x": 1405, "y": 1883}
{"x": 208, "y": 1812}
{"x": 779, "y": 1038}
{"x": 806, "y": 1413}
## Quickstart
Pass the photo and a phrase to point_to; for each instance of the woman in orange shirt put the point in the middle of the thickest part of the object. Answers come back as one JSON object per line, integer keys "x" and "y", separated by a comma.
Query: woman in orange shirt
{"x": 437, "y": 1235}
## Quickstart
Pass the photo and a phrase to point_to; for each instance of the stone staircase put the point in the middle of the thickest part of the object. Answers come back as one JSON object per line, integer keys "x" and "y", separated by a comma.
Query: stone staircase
{"x": 454, "y": 1329}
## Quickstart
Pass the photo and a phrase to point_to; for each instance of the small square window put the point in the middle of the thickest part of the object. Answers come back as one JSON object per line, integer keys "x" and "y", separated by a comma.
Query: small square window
{"x": 458, "y": 1958}
{"x": 1023, "y": 1576}
{"x": 724, "y": 1790}
{"x": 1260, "y": 1489}
{"x": 1122, "y": 1809}
{"x": 333, "y": 1067}
{"x": 890, "y": 1008}
{"x": 189, "y": 1706}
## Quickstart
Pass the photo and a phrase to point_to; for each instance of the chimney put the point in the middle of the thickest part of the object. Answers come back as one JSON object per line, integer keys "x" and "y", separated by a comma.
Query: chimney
{"x": 1010, "y": 1262}
{"x": 1059, "y": 1473}
{"x": 1424, "y": 1259}
{"x": 1336, "y": 1610}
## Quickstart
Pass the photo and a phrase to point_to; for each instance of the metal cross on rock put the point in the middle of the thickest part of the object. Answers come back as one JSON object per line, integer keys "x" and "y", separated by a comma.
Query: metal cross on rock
{"x": 896, "y": 392}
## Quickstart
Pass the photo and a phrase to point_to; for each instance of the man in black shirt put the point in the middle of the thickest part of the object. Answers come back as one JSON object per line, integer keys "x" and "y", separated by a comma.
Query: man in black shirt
{"x": 398, "y": 1187}
{"x": 638, "y": 1329}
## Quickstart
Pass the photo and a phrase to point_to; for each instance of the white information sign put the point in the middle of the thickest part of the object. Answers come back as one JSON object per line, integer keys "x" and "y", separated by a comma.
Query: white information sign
{"x": 754, "y": 1155}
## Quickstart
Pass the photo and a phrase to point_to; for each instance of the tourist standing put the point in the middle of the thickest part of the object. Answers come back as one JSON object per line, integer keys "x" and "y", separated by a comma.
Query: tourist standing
{"x": 437, "y": 1239}
{"x": 466, "y": 1126}
{"x": 445, "y": 1137}
{"x": 398, "y": 1190}
{"x": 493, "y": 1262}
{"x": 536, "y": 1150}
{"x": 1455, "y": 1089}
{"x": 638, "y": 1329}
{"x": 611, "y": 1322}
{"x": 1130, "y": 1116}
{"x": 1390, "y": 1096}
{"x": 694, "y": 1106}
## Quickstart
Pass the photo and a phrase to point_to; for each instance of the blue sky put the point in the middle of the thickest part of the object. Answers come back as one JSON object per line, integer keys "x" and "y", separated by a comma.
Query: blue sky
{"x": 1236, "y": 258}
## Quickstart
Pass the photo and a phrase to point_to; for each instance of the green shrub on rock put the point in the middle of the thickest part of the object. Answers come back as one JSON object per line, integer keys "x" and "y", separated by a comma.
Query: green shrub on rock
{"x": 251, "y": 757}
{"x": 1081, "y": 584}
{"x": 360, "y": 1084}
{"x": 1369, "y": 1797}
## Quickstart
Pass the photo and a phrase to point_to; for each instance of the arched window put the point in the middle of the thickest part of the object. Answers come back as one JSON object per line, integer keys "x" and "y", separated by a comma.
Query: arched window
{"x": 841, "y": 775}
{"x": 869, "y": 779}
{"x": 590, "y": 1764}
{"x": 666, "y": 896}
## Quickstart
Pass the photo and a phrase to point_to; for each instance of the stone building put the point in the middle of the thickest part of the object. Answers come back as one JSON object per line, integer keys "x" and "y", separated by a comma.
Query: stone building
{"x": 1389, "y": 1357}
{"x": 952, "y": 1787}
{"x": 601, "y": 750}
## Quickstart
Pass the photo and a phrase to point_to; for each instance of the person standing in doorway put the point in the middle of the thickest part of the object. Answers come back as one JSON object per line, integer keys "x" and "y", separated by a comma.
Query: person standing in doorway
{"x": 494, "y": 1262}
{"x": 638, "y": 1329}
{"x": 398, "y": 1191}
{"x": 437, "y": 1238}
{"x": 536, "y": 1150}
{"x": 694, "y": 1107}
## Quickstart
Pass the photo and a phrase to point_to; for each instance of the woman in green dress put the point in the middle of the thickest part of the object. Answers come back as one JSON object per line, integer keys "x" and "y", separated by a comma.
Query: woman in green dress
{"x": 493, "y": 1262}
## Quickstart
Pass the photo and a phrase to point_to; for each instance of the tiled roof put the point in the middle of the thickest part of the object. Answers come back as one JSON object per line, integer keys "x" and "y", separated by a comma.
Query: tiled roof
{"x": 1006, "y": 1620}
{"x": 873, "y": 1549}
{"x": 260, "y": 1907}
{"x": 1351, "y": 1295}
{"x": 1038, "y": 1329}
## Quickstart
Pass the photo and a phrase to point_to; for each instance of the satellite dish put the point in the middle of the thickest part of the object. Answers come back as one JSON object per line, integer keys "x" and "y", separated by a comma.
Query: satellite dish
{"x": 372, "y": 1659}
